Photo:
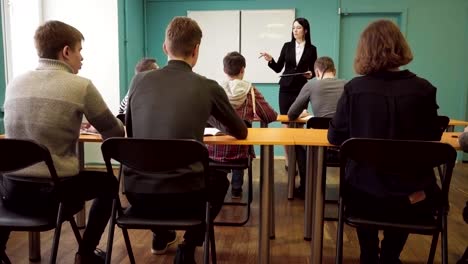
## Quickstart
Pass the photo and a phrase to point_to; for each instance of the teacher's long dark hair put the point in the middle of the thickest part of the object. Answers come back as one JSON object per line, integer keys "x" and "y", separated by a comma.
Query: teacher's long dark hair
{"x": 305, "y": 24}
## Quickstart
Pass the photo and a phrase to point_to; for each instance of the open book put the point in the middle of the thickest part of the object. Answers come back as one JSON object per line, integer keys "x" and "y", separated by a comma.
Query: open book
{"x": 212, "y": 131}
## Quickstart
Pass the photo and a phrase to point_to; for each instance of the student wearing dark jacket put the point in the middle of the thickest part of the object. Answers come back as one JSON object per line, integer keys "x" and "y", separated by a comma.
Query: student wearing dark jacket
{"x": 389, "y": 103}
{"x": 176, "y": 103}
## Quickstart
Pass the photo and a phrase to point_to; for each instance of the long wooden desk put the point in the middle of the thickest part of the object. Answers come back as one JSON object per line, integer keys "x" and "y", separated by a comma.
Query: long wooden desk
{"x": 316, "y": 140}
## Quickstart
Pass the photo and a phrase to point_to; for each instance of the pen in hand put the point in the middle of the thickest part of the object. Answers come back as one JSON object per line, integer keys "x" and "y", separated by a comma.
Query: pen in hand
{"x": 260, "y": 56}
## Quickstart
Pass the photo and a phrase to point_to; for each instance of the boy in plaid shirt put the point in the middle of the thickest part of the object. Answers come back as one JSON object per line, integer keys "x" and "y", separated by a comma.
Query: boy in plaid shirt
{"x": 249, "y": 104}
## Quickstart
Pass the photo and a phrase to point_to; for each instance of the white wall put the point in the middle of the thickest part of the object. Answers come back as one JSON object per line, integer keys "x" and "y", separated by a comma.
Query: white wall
{"x": 98, "y": 21}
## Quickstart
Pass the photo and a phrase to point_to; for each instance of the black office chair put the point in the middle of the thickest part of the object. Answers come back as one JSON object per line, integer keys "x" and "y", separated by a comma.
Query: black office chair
{"x": 332, "y": 159}
{"x": 156, "y": 156}
{"x": 17, "y": 154}
{"x": 399, "y": 156}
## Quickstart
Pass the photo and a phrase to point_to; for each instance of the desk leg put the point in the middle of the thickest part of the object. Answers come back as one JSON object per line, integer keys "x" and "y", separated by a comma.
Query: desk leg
{"x": 309, "y": 191}
{"x": 317, "y": 208}
{"x": 292, "y": 167}
{"x": 272, "y": 196}
{"x": 266, "y": 159}
{"x": 81, "y": 215}
{"x": 34, "y": 246}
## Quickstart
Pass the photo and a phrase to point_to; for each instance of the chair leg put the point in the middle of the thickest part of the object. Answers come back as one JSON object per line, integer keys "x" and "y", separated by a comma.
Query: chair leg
{"x": 444, "y": 240}
{"x": 110, "y": 237}
{"x": 206, "y": 246}
{"x": 58, "y": 229}
{"x": 435, "y": 239}
{"x": 128, "y": 245}
{"x": 75, "y": 230}
{"x": 339, "y": 234}
{"x": 213, "y": 245}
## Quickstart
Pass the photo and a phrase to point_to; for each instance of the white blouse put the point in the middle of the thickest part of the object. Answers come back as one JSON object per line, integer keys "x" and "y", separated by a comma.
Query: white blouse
{"x": 299, "y": 51}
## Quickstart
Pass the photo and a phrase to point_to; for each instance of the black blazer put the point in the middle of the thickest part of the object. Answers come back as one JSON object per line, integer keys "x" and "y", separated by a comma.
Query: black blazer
{"x": 388, "y": 105}
{"x": 287, "y": 59}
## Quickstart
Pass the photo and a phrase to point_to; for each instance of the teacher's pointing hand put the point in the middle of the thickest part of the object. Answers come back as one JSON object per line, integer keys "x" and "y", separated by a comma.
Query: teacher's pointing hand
{"x": 266, "y": 56}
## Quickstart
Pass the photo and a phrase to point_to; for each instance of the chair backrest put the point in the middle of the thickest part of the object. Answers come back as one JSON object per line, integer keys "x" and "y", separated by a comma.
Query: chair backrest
{"x": 17, "y": 154}
{"x": 319, "y": 122}
{"x": 154, "y": 155}
{"x": 399, "y": 156}
{"x": 442, "y": 122}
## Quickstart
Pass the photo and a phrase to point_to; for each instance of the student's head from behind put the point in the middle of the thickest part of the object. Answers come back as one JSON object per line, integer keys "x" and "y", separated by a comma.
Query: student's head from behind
{"x": 324, "y": 65}
{"x": 59, "y": 41}
{"x": 234, "y": 64}
{"x": 381, "y": 47}
{"x": 146, "y": 64}
{"x": 301, "y": 29}
{"x": 183, "y": 37}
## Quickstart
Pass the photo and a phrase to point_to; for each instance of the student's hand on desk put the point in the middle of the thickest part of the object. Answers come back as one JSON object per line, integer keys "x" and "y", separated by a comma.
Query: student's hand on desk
{"x": 308, "y": 74}
{"x": 304, "y": 113}
{"x": 266, "y": 56}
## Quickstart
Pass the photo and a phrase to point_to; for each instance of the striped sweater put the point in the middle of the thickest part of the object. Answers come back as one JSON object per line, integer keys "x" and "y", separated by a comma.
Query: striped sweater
{"x": 47, "y": 105}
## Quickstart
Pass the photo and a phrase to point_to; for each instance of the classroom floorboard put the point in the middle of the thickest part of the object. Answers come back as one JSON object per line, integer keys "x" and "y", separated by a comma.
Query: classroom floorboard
{"x": 239, "y": 244}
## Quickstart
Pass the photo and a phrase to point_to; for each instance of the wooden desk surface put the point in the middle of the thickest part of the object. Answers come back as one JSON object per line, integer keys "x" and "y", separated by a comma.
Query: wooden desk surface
{"x": 285, "y": 119}
{"x": 280, "y": 136}
{"x": 454, "y": 122}
{"x": 258, "y": 136}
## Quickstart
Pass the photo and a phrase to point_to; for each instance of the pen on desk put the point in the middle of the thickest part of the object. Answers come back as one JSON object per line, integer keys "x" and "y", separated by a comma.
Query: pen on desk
{"x": 455, "y": 136}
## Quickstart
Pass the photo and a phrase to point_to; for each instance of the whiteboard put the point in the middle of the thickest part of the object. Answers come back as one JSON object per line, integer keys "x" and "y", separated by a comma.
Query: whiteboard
{"x": 221, "y": 35}
{"x": 264, "y": 31}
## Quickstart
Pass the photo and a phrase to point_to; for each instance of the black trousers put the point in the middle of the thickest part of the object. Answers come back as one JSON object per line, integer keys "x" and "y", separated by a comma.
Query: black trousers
{"x": 390, "y": 209}
{"x": 88, "y": 185}
{"x": 190, "y": 204}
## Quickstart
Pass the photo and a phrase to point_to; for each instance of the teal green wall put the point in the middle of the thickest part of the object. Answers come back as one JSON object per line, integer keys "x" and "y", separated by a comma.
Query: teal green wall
{"x": 132, "y": 47}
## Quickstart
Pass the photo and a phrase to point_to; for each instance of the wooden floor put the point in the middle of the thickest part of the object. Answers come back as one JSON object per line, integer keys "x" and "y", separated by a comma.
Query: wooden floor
{"x": 239, "y": 244}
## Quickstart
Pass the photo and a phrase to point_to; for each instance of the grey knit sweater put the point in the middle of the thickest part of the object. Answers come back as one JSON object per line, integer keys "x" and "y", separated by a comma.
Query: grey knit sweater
{"x": 47, "y": 105}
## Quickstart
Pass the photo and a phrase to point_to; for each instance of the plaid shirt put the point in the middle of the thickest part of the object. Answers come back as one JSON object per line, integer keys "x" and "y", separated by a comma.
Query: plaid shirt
{"x": 264, "y": 112}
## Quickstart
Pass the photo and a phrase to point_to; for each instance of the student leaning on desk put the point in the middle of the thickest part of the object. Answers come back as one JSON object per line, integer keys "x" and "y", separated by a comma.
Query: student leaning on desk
{"x": 47, "y": 105}
{"x": 179, "y": 103}
{"x": 323, "y": 94}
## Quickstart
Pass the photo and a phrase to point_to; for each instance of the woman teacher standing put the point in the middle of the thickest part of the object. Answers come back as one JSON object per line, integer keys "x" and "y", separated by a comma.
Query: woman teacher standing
{"x": 297, "y": 56}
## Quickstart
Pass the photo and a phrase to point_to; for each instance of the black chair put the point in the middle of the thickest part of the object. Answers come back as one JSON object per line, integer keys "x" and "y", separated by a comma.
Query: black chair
{"x": 156, "y": 156}
{"x": 443, "y": 122}
{"x": 332, "y": 159}
{"x": 17, "y": 154}
{"x": 237, "y": 165}
{"x": 399, "y": 156}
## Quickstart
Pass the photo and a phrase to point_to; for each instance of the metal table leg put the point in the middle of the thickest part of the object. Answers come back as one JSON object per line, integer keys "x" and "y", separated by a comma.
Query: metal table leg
{"x": 309, "y": 191}
{"x": 317, "y": 208}
{"x": 266, "y": 159}
{"x": 292, "y": 167}
{"x": 34, "y": 246}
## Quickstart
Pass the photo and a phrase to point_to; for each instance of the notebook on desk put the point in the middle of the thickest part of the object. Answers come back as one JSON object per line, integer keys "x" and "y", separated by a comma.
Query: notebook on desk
{"x": 212, "y": 131}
